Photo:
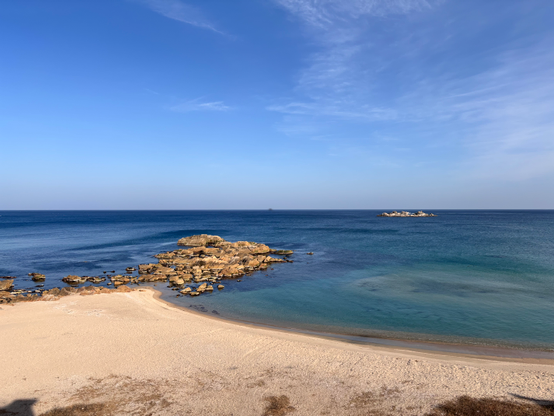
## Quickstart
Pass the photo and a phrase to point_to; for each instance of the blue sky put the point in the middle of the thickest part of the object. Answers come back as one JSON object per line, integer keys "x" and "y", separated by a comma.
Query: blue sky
{"x": 247, "y": 104}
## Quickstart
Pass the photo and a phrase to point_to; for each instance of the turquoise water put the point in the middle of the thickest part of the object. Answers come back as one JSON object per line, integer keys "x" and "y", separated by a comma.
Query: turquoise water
{"x": 475, "y": 277}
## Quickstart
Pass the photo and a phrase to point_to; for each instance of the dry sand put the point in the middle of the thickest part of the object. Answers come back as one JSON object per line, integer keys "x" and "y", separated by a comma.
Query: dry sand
{"x": 139, "y": 355}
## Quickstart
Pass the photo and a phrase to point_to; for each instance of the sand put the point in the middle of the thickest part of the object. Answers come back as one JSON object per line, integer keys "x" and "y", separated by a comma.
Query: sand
{"x": 138, "y": 355}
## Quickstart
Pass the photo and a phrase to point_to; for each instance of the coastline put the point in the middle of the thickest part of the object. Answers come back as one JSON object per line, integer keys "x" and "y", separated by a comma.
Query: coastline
{"x": 485, "y": 352}
{"x": 123, "y": 347}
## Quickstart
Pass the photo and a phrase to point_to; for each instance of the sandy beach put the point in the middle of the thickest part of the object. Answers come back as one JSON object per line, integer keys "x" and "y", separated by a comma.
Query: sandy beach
{"x": 136, "y": 354}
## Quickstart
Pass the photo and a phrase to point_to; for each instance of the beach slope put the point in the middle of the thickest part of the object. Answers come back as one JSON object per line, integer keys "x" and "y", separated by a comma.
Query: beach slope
{"x": 134, "y": 354}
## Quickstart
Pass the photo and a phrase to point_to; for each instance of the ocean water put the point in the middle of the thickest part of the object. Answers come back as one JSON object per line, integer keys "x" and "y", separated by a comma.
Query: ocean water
{"x": 470, "y": 277}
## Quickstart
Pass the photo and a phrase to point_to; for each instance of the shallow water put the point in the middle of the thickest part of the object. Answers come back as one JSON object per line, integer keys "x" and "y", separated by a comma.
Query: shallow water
{"x": 476, "y": 277}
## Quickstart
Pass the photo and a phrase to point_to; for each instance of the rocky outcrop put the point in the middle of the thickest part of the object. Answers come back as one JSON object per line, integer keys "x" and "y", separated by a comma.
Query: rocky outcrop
{"x": 37, "y": 277}
{"x": 405, "y": 214}
{"x": 16, "y": 296}
{"x": 201, "y": 240}
{"x": 191, "y": 271}
{"x": 282, "y": 252}
{"x": 6, "y": 284}
{"x": 74, "y": 280}
{"x": 207, "y": 260}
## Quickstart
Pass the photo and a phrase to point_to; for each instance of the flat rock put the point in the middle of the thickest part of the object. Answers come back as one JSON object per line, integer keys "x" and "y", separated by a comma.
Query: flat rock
{"x": 200, "y": 240}
{"x": 74, "y": 280}
{"x": 6, "y": 284}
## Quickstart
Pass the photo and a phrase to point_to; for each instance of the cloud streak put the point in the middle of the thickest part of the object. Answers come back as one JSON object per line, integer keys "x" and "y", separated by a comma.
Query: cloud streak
{"x": 198, "y": 105}
{"x": 337, "y": 81}
{"x": 325, "y": 13}
{"x": 509, "y": 114}
{"x": 495, "y": 113}
{"x": 182, "y": 12}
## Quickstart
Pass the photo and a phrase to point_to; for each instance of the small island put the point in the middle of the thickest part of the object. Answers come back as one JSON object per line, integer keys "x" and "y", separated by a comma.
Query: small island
{"x": 405, "y": 214}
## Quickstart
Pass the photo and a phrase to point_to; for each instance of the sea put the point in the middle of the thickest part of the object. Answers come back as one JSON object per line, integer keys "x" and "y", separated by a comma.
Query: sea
{"x": 465, "y": 277}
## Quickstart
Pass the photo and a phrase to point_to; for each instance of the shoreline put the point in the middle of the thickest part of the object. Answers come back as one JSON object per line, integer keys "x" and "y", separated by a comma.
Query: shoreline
{"x": 136, "y": 353}
{"x": 209, "y": 259}
{"x": 431, "y": 347}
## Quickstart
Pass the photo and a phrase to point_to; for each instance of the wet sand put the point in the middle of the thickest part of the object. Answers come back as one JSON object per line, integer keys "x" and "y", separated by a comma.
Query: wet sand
{"x": 137, "y": 354}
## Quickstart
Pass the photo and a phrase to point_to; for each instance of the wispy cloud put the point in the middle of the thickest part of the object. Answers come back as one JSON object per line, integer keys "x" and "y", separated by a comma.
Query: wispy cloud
{"x": 198, "y": 105}
{"x": 496, "y": 114}
{"x": 337, "y": 110}
{"x": 182, "y": 12}
{"x": 508, "y": 113}
{"x": 337, "y": 81}
{"x": 325, "y": 13}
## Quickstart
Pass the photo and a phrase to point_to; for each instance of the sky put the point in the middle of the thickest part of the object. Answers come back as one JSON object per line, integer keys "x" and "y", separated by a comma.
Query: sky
{"x": 283, "y": 104}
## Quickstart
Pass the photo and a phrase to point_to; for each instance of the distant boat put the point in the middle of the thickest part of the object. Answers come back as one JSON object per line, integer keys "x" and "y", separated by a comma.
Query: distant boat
{"x": 270, "y": 209}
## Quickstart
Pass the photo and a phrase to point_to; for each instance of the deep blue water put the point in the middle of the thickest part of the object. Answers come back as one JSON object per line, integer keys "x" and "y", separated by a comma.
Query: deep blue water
{"x": 484, "y": 277}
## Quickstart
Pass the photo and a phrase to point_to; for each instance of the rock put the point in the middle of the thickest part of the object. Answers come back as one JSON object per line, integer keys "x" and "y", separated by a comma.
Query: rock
{"x": 261, "y": 249}
{"x": 8, "y": 277}
{"x": 270, "y": 259}
{"x": 253, "y": 264}
{"x": 86, "y": 290}
{"x": 186, "y": 277}
{"x": 176, "y": 281}
{"x": 74, "y": 280}
{"x": 200, "y": 240}
{"x": 119, "y": 280}
{"x": 152, "y": 278}
{"x": 66, "y": 291}
{"x": 310, "y": 253}
{"x": 146, "y": 268}
{"x": 241, "y": 244}
{"x": 37, "y": 277}
{"x": 405, "y": 214}
{"x": 230, "y": 271}
{"x": 53, "y": 292}
{"x": 206, "y": 261}
{"x": 282, "y": 252}
{"x": 6, "y": 284}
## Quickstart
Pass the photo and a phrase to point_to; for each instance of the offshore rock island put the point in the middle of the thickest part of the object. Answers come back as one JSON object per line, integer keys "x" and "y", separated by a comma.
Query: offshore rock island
{"x": 405, "y": 214}
{"x": 209, "y": 260}
{"x": 192, "y": 271}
